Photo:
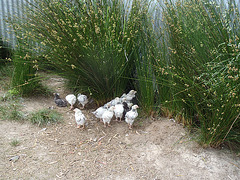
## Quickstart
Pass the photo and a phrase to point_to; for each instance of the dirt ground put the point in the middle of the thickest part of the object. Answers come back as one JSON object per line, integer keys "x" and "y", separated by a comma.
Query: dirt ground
{"x": 153, "y": 150}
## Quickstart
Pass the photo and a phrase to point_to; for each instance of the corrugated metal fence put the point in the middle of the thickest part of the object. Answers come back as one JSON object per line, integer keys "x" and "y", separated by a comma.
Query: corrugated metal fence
{"x": 9, "y": 8}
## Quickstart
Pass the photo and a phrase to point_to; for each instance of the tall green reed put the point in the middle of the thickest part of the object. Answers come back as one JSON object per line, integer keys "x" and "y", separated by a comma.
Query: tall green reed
{"x": 24, "y": 77}
{"x": 195, "y": 29}
{"x": 89, "y": 43}
{"x": 143, "y": 42}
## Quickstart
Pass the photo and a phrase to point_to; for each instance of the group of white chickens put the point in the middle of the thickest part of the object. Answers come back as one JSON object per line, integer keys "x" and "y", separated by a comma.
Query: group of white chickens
{"x": 122, "y": 108}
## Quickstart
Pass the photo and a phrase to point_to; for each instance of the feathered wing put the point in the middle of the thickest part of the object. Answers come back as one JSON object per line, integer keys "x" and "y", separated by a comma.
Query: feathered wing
{"x": 119, "y": 110}
{"x": 61, "y": 102}
{"x": 99, "y": 112}
{"x": 71, "y": 99}
{"x": 80, "y": 118}
{"x": 82, "y": 98}
{"x": 107, "y": 116}
{"x": 130, "y": 117}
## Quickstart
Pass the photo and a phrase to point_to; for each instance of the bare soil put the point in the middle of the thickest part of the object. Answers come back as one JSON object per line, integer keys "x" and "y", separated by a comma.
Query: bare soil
{"x": 153, "y": 149}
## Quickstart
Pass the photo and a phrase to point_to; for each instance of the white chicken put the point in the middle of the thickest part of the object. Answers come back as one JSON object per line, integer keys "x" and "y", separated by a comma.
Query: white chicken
{"x": 131, "y": 116}
{"x": 112, "y": 102}
{"x": 82, "y": 99}
{"x": 99, "y": 112}
{"x": 107, "y": 116}
{"x": 123, "y": 95}
{"x": 118, "y": 111}
{"x": 130, "y": 95}
{"x": 71, "y": 99}
{"x": 115, "y": 101}
{"x": 107, "y": 105}
{"x": 80, "y": 118}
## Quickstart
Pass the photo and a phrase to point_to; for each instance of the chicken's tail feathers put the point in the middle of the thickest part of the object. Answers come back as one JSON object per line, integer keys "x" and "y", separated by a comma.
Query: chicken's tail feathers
{"x": 94, "y": 112}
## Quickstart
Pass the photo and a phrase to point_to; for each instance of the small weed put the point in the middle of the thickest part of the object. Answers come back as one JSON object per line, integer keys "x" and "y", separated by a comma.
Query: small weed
{"x": 45, "y": 116}
{"x": 10, "y": 95}
{"x": 15, "y": 143}
{"x": 13, "y": 92}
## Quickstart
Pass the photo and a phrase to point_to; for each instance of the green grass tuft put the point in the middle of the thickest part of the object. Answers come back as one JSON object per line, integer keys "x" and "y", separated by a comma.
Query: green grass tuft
{"x": 15, "y": 143}
{"x": 44, "y": 117}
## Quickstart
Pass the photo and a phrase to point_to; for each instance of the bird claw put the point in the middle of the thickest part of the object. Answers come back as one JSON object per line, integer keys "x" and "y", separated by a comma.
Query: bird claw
{"x": 79, "y": 127}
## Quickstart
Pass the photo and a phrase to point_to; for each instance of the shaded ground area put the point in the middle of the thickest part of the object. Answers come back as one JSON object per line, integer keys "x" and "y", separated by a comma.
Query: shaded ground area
{"x": 154, "y": 149}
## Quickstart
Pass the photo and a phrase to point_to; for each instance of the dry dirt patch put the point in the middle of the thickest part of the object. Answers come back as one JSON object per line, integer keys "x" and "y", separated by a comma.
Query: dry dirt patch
{"x": 159, "y": 149}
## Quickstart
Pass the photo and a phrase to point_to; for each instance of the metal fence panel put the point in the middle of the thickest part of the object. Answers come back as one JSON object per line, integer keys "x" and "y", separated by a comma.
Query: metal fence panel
{"x": 8, "y": 9}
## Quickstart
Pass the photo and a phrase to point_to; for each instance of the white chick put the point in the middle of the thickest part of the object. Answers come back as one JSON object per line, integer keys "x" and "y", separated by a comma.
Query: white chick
{"x": 118, "y": 111}
{"x": 123, "y": 95}
{"x": 130, "y": 95}
{"x": 99, "y": 112}
{"x": 83, "y": 100}
{"x": 115, "y": 101}
{"x": 71, "y": 99}
{"x": 107, "y": 105}
{"x": 131, "y": 115}
{"x": 80, "y": 118}
{"x": 107, "y": 116}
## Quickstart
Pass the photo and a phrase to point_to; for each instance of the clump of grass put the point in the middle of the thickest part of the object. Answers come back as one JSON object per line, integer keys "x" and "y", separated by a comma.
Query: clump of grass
{"x": 221, "y": 82}
{"x": 82, "y": 40}
{"x": 202, "y": 68}
{"x": 15, "y": 143}
{"x": 44, "y": 117}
